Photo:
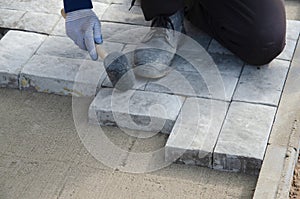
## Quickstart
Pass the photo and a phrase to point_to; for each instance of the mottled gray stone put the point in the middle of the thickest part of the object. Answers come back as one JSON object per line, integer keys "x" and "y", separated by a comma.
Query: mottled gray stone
{"x": 197, "y": 83}
{"x": 262, "y": 85}
{"x": 293, "y": 29}
{"x": 196, "y": 131}
{"x": 61, "y": 47}
{"x": 136, "y": 110}
{"x": 65, "y": 47}
{"x": 38, "y": 22}
{"x": 32, "y": 21}
{"x": 10, "y": 18}
{"x": 216, "y": 47}
{"x": 52, "y": 6}
{"x": 100, "y": 8}
{"x": 124, "y": 33}
{"x": 110, "y": 29}
{"x": 120, "y": 13}
{"x": 59, "y": 29}
{"x": 15, "y": 51}
{"x": 62, "y": 76}
{"x": 243, "y": 139}
{"x": 288, "y": 51}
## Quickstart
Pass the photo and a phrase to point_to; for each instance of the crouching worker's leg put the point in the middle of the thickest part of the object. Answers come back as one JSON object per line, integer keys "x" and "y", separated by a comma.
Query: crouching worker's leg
{"x": 154, "y": 54}
{"x": 252, "y": 29}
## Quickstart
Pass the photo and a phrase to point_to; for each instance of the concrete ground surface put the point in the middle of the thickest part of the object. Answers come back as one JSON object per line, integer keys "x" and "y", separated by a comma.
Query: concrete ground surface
{"x": 41, "y": 157}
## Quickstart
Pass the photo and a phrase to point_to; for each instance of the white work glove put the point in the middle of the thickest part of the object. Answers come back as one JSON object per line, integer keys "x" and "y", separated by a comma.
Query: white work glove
{"x": 84, "y": 28}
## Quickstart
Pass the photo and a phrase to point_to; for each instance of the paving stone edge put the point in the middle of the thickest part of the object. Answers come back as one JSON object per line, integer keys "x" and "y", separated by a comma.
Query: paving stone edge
{"x": 281, "y": 155}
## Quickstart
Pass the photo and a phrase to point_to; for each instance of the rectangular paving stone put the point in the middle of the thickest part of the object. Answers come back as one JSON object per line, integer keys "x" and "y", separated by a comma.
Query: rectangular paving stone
{"x": 121, "y": 14}
{"x": 288, "y": 51}
{"x": 62, "y": 76}
{"x": 193, "y": 85}
{"x": 264, "y": 84}
{"x": 15, "y": 51}
{"x": 212, "y": 76}
{"x": 59, "y": 29}
{"x": 100, "y": 8}
{"x": 136, "y": 110}
{"x": 38, "y": 22}
{"x": 124, "y": 33}
{"x": 49, "y": 7}
{"x": 293, "y": 29}
{"x": 65, "y": 47}
{"x": 243, "y": 139}
{"x": 10, "y": 18}
{"x": 196, "y": 131}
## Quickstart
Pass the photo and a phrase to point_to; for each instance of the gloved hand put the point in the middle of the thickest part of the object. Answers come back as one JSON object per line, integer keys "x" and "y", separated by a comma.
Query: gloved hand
{"x": 84, "y": 28}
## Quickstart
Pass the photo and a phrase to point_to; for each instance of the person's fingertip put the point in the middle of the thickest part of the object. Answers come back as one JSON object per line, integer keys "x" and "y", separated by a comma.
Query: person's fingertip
{"x": 99, "y": 40}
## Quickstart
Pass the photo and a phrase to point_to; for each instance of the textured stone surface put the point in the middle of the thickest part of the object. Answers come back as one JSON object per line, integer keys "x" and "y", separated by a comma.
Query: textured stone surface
{"x": 65, "y": 47}
{"x": 138, "y": 110}
{"x": 293, "y": 29}
{"x": 285, "y": 127}
{"x": 10, "y": 18}
{"x": 194, "y": 85}
{"x": 49, "y": 7}
{"x": 59, "y": 29}
{"x": 243, "y": 138}
{"x": 15, "y": 51}
{"x": 38, "y": 22}
{"x": 196, "y": 131}
{"x": 124, "y": 33}
{"x": 288, "y": 51}
{"x": 264, "y": 84}
{"x": 201, "y": 77}
{"x": 120, "y": 13}
{"x": 62, "y": 76}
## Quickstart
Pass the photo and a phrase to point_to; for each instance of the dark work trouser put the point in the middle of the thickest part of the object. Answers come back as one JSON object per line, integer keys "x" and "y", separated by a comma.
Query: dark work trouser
{"x": 252, "y": 29}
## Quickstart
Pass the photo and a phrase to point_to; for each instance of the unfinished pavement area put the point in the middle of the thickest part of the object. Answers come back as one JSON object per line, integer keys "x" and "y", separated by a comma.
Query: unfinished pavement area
{"x": 46, "y": 51}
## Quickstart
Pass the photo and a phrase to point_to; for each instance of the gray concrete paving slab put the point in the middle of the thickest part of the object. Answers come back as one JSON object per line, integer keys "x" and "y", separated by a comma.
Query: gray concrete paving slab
{"x": 196, "y": 132}
{"x": 244, "y": 137}
{"x": 262, "y": 84}
{"x": 15, "y": 52}
{"x": 62, "y": 76}
{"x": 120, "y": 13}
{"x": 138, "y": 110}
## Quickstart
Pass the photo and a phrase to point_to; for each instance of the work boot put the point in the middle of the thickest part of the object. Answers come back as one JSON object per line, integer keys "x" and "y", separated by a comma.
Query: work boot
{"x": 153, "y": 56}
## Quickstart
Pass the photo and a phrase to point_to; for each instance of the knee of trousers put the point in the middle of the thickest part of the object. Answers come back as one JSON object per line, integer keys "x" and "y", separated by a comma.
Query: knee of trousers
{"x": 263, "y": 46}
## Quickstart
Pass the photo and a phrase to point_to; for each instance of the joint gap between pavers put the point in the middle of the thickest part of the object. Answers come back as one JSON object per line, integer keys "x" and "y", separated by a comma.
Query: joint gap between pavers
{"x": 53, "y": 28}
{"x": 278, "y": 106}
{"x": 213, "y": 151}
{"x": 237, "y": 84}
{"x": 256, "y": 103}
{"x": 30, "y": 31}
{"x": 271, "y": 130}
{"x": 124, "y": 23}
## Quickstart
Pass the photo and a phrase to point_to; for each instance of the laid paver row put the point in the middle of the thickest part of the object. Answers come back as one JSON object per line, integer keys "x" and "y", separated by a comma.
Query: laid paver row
{"x": 42, "y": 64}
